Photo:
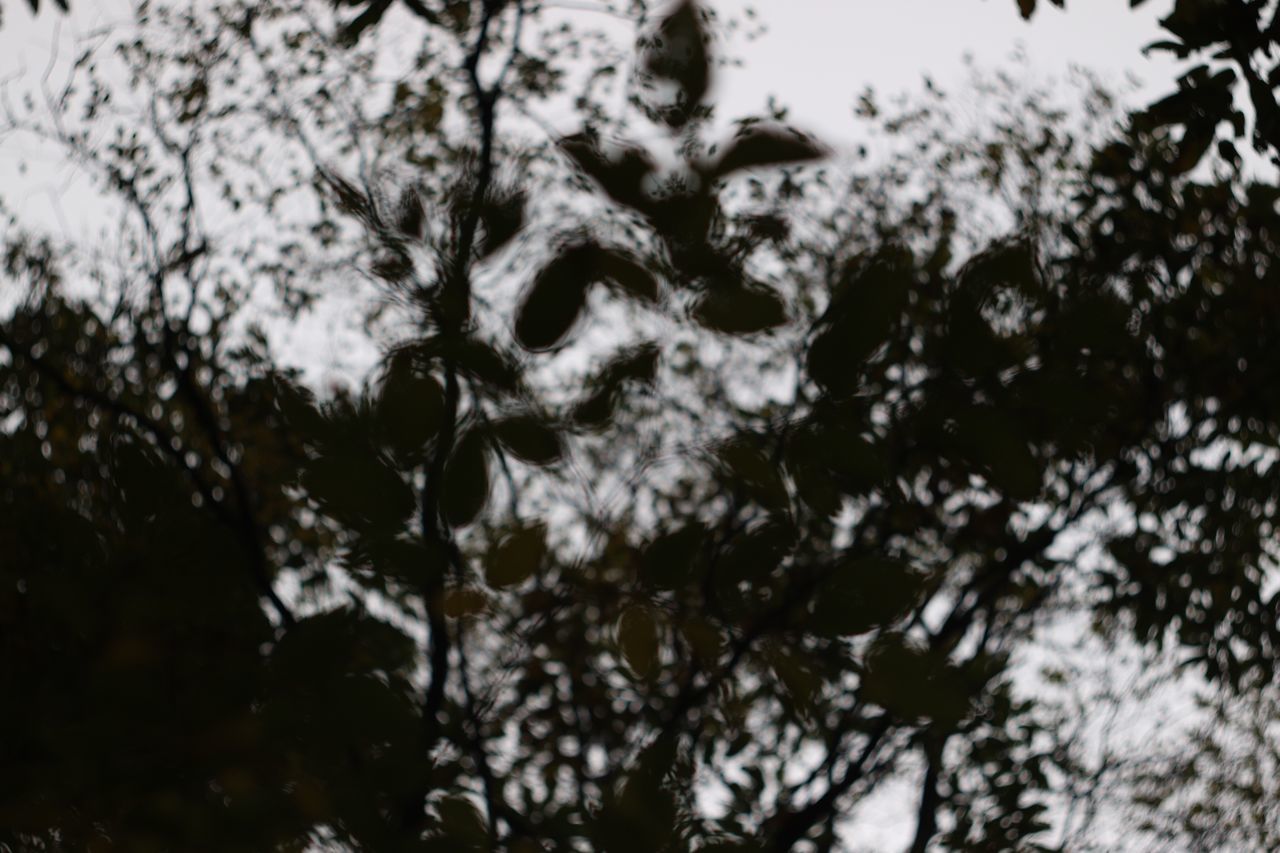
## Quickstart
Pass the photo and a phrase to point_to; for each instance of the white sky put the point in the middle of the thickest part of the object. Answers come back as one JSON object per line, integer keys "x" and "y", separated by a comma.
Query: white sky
{"x": 815, "y": 57}
{"x": 813, "y": 50}
{"x": 817, "y": 51}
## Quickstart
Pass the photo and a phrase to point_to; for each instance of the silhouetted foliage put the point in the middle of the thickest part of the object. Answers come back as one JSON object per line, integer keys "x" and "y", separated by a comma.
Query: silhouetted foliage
{"x": 34, "y": 5}
{"x": 686, "y": 529}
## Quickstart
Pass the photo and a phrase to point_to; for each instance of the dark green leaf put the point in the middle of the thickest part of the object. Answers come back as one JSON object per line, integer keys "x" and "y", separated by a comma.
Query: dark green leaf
{"x": 757, "y": 146}
{"x": 556, "y": 298}
{"x": 864, "y": 310}
{"x": 410, "y": 407}
{"x": 750, "y": 468}
{"x": 913, "y": 683}
{"x": 340, "y": 642}
{"x": 461, "y": 822}
{"x": 860, "y": 595}
{"x": 410, "y": 214}
{"x": 622, "y": 176}
{"x": 680, "y": 55}
{"x": 638, "y": 640}
{"x": 674, "y": 559}
{"x": 466, "y": 479}
{"x": 358, "y": 489}
{"x": 501, "y": 217}
{"x": 350, "y": 34}
{"x": 530, "y": 439}
{"x": 628, "y": 275}
{"x": 517, "y": 557}
{"x": 740, "y": 310}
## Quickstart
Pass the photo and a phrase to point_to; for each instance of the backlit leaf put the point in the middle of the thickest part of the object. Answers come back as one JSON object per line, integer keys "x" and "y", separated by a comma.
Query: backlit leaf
{"x": 530, "y": 439}
{"x": 675, "y": 558}
{"x": 740, "y": 310}
{"x": 358, "y": 489}
{"x": 860, "y": 595}
{"x": 680, "y": 56}
{"x": 410, "y": 407}
{"x": 621, "y": 174}
{"x": 517, "y": 557}
{"x": 466, "y": 479}
{"x": 556, "y": 298}
{"x": 760, "y": 145}
{"x": 628, "y": 275}
{"x": 638, "y": 640}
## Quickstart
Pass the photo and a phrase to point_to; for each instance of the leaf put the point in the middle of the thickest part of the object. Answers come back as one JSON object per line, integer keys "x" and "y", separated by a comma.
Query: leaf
{"x": 638, "y": 640}
{"x": 410, "y": 214}
{"x": 637, "y": 363}
{"x": 829, "y": 459}
{"x": 680, "y": 55}
{"x": 684, "y": 220}
{"x": 477, "y": 360}
{"x": 466, "y": 480}
{"x": 411, "y": 561}
{"x": 639, "y": 815}
{"x": 461, "y": 821}
{"x": 393, "y": 265}
{"x": 501, "y": 217}
{"x": 755, "y": 555}
{"x": 995, "y": 439}
{"x": 463, "y": 601}
{"x": 674, "y": 559}
{"x": 350, "y": 34}
{"x": 634, "y": 364}
{"x": 1192, "y": 147}
{"x": 704, "y": 639}
{"x": 340, "y": 642}
{"x": 867, "y": 303}
{"x": 517, "y": 557}
{"x": 530, "y": 439}
{"x": 798, "y": 677}
{"x": 621, "y": 176}
{"x": 596, "y": 409}
{"x": 913, "y": 683}
{"x": 410, "y": 408}
{"x": 1003, "y": 265}
{"x": 757, "y": 146}
{"x": 740, "y": 310}
{"x": 859, "y": 595}
{"x": 556, "y": 299}
{"x": 750, "y": 469}
{"x": 628, "y": 274}
{"x": 298, "y": 407}
{"x": 484, "y": 363}
{"x": 358, "y": 489}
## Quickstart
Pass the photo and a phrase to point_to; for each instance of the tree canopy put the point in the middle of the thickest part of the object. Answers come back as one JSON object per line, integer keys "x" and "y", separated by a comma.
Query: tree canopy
{"x": 710, "y": 490}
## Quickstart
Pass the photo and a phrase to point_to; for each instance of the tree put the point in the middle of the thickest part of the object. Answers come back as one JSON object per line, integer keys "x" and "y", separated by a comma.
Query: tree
{"x": 1238, "y": 37}
{"x": 689, "y": 524}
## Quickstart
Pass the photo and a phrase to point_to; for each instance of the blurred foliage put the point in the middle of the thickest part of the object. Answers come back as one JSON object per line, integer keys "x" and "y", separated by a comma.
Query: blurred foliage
{"x": 34, "y": 5}
{"x": 705, "y": 487}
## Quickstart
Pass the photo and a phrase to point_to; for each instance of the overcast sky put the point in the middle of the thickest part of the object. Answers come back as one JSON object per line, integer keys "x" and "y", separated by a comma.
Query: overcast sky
{"x": 815, "y": 56}
{"x": 816, "y": 47}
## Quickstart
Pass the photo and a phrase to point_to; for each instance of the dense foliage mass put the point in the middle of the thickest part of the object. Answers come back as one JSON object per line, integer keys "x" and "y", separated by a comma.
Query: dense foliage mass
{"x": 704, "y": 490}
